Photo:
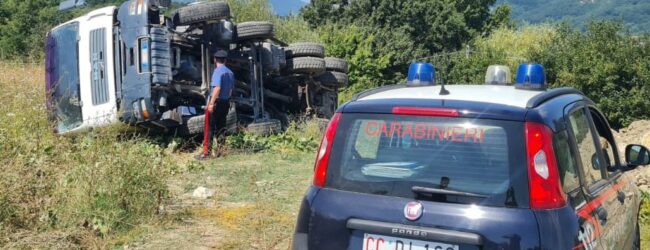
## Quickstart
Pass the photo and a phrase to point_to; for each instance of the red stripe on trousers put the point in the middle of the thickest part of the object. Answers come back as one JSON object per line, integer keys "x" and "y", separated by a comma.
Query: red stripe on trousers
{"x": 206, "y": 150}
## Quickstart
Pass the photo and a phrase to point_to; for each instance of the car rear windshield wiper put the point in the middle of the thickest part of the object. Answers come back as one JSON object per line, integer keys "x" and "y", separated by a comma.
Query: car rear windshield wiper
{"x": 429, "y": 190}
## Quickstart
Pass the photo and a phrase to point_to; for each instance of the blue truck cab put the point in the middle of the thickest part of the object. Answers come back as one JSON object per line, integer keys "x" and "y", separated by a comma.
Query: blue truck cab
{"x": 493, "y": 166}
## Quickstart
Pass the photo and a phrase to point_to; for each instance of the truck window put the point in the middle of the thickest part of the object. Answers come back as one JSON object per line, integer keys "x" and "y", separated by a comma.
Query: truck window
{"x": 62, "y": 74}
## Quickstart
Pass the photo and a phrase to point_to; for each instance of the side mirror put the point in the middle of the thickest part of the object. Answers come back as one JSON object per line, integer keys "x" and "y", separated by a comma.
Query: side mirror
{"x": 637, "y": 155}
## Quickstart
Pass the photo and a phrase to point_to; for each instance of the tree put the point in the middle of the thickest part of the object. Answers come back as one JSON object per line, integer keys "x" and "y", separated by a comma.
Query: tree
{"x": 607, "y": 64}
{"x": 23, "y": 25}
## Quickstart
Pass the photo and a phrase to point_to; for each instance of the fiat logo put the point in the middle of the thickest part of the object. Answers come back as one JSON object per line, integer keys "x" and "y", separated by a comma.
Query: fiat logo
{"x": 413, "y": 210}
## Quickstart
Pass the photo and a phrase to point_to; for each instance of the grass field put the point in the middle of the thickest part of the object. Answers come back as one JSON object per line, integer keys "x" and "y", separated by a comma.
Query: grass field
{"x": 113, "y": 188}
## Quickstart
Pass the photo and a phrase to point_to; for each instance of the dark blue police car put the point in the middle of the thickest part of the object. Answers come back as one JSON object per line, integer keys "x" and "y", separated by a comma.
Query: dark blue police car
{"x": 422, "y": 166}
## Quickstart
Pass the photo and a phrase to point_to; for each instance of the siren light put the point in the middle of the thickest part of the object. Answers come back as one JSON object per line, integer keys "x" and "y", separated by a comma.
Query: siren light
{"x": 498, "y": 75}
{"x": 531, "y": 76}
{"x": 421, "y": 74}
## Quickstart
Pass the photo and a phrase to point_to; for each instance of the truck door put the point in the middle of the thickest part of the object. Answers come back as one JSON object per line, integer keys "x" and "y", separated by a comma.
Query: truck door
{"x": 602, "y": 212}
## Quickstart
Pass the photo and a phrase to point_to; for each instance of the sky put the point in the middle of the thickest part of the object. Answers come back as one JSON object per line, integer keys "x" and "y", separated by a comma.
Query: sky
{"x": 284, "y": 7}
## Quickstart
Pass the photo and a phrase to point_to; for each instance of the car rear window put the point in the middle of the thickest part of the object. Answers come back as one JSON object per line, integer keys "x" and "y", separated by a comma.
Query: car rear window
{"x": 388, "y": 154}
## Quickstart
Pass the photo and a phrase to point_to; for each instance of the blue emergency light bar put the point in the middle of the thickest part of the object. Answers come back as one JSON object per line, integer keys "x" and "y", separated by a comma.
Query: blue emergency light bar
{"x": 531, "y": 76}
{"x": 421, "y": 74}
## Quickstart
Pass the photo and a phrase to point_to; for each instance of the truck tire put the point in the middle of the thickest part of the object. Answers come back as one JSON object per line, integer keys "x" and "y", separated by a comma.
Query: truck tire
{"x": 305, "y": 49}
{"x": 336, "y": 64}
{"x": 333, "y": 79}
{"x": 269, "y": 127}
{"x": 306, "y": 65}
{"x": 196, "y": 124}
{"x": 254, "y": 30}
{"x": 201, "y": 12}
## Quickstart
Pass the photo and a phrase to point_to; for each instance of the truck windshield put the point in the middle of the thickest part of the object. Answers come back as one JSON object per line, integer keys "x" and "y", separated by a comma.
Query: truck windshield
{"x": 62, "y": 77}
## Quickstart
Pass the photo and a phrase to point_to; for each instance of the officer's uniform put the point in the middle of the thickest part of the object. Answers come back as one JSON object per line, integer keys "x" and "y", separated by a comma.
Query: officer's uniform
{"x": 216, "y": 121}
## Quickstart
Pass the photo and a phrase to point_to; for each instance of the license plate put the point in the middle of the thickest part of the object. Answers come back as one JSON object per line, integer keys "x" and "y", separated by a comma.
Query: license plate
{"x": 381, "y": 242}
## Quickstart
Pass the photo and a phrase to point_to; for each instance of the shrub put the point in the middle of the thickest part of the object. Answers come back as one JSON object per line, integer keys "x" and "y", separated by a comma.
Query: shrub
{"x": 105, "y": 180}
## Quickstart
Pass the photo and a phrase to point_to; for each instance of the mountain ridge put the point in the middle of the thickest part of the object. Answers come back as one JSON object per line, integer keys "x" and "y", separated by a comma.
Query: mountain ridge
{"x": 635, "y": 14}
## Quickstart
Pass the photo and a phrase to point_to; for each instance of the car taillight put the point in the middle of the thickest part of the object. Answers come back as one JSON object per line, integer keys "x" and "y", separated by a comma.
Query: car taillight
{"x": 425, "y": 111}
{"x": 323, "y": 157}
{"x": 543, "y": 177}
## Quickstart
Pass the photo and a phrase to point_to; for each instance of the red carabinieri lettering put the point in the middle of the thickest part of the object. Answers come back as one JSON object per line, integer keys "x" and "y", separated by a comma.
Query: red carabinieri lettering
{"x": 421, "y": 131}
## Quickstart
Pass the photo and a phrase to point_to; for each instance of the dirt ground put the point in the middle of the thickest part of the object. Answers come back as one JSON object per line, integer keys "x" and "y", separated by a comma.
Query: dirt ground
{"x": 637, "y": 133}
{"x": 255, "y": 203}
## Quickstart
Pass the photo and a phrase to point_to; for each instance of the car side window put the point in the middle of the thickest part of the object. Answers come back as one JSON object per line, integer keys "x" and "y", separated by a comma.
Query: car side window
{"x": 565, "y": 162}
{"x": 586, "y": 146}
{"x": 607, "y": 143}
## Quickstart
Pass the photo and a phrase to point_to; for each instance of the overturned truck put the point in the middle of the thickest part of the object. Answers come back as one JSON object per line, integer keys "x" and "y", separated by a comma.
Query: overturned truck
{"x": 131, "y": 64}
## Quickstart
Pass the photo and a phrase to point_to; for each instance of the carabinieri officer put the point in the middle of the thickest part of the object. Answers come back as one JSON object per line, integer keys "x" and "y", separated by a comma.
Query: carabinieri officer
{"x": 221, "y": 86}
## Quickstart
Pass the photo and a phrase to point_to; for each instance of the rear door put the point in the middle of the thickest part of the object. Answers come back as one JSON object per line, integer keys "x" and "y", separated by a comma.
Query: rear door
{"x": 623, "y": 186}
{"x": 603, "y": 199}
{"x": 377, "y": 162}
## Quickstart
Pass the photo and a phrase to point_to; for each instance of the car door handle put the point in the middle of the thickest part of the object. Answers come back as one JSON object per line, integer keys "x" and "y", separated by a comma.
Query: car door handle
{"x": 602, "y": 214}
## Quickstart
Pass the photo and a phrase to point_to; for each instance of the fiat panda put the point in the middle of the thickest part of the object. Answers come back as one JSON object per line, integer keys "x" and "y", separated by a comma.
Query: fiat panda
{"x": 492, "y": 166}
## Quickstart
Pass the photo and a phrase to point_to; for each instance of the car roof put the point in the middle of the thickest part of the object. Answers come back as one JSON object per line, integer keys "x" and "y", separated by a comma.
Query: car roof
{"x": 496, "y": 94}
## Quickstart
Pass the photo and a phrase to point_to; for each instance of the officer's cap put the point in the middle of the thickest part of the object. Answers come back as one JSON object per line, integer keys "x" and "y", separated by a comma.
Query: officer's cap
{"x": 221, "y": 54}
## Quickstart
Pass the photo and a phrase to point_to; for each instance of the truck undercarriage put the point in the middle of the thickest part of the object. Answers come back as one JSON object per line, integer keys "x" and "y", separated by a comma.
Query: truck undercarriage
{"x": 163, "y": 66}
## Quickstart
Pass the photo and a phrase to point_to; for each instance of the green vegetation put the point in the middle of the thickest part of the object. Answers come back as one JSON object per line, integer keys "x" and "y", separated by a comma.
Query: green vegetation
{"x": 23, "y": 25}
{"x": 634, "y": 14}
{"x": 113, "y": 186}
{"x": 101, "y": 188}
{"x": 381, "y": 38}
{"x": 288, "y": 29}
{"x": 644, "y": 219}
{"x": 604, "y": 62}
{"x": 86, "y": 185}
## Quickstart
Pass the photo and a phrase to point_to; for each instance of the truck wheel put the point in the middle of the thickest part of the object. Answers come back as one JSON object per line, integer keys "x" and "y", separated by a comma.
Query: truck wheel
{"x": 333, "y": 79}
{"x": 201, "y": 12}
{"x": 305, "y": 49}
{"x": 306, "y": 65}
{"x": 269, "y": 127}
{"x": 254, "y": 30}
{"x": 336, "y": 64}
{"x": 195, "y": 125}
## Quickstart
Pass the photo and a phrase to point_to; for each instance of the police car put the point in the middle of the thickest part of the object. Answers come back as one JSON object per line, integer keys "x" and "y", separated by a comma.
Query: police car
{"x": 493, "y": 166}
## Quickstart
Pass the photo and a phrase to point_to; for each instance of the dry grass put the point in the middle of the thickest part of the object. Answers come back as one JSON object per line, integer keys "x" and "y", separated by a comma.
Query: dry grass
{"x": 83, "y": 188}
